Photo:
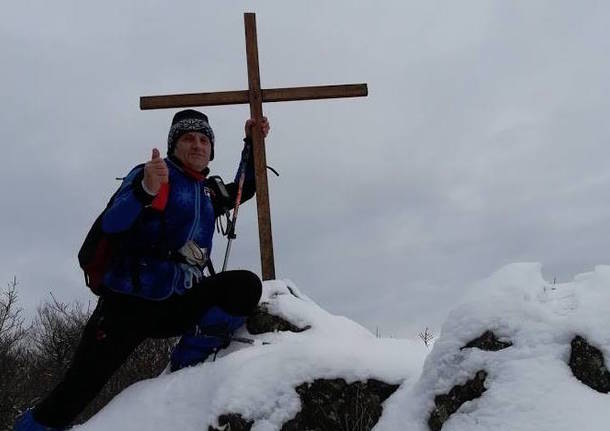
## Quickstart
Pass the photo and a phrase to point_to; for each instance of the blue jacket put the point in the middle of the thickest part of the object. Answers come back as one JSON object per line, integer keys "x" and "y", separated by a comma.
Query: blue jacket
{"x": 189, "y": 214}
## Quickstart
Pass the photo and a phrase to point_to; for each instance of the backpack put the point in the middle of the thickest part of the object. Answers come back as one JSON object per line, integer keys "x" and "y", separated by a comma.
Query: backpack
{"x": 97, "y": 251}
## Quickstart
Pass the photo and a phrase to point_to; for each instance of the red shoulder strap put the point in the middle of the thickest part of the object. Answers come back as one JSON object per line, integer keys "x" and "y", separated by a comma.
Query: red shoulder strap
{"x": 160, "y": 201}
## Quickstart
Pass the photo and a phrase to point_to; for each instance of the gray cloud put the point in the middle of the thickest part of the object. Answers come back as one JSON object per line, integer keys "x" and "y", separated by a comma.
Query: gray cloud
{"x": 483, "y": 141}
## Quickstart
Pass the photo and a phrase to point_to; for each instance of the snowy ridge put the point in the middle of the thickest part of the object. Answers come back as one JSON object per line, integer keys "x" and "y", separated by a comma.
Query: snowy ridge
{"x": 258, "y": 381}
{"x": 528, "y": 385}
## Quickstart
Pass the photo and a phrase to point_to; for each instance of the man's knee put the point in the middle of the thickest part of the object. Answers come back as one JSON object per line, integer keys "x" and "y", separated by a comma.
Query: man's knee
{"x": 255, "y": 287}
{"x": 246, "y": 290}
{"x": 251, "y": 290}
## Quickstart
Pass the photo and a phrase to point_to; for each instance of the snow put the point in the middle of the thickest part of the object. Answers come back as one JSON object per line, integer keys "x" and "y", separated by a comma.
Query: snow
{"x": 258, "y": 380}
{"x": 529, "y": 385}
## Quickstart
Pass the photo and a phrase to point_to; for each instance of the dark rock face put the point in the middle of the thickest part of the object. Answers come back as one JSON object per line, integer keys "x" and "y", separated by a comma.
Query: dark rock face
{"x": 447, "y": 404}
{"x": 261, "y": 322}
{"x": 328, "y": 405}
{"x": 587, "y": 364}
{"x": 232, "y": 422}
{"x": 335, "y": 405}
{"x": 487, "y": 341}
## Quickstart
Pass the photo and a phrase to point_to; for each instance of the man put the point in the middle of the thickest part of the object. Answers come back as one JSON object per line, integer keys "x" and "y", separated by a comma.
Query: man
{"x": 164, "y": 215}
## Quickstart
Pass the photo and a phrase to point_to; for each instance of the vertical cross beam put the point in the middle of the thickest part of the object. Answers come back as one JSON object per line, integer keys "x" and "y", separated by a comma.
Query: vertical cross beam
{"x": 258, "y": 142}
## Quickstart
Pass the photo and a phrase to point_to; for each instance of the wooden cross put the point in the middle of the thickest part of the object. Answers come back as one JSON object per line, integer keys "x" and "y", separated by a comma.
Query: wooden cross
{"x": 255, "y": 96}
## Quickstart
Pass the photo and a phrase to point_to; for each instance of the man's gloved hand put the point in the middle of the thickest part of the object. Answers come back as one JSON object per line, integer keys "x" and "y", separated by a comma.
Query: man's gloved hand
{"x": 250, "y": 123}
{"x": 155, "y": 173}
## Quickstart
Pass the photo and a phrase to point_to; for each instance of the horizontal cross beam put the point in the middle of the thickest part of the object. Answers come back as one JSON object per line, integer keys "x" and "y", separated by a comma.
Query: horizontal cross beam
{"x": 242, "y": 96}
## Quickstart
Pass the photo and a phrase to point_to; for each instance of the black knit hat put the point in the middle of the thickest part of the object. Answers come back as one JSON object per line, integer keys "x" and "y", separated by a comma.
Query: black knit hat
{"x": 186, "y": 121}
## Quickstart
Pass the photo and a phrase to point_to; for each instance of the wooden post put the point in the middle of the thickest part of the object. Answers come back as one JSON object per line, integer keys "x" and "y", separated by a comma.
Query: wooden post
{"x": 258, "y": 141}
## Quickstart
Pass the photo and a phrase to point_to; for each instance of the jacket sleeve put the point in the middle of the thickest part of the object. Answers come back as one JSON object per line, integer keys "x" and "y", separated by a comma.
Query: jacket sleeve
{"x": 249, "y": 180}
{"x": 127, "y": 203}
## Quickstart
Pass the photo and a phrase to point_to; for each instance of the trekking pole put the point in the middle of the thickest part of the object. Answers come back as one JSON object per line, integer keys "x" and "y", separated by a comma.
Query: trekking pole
{"x": 231, "y": 227}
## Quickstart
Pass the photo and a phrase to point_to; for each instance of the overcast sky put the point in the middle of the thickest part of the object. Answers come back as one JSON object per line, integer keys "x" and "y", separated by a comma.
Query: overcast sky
{"x": 484, "y": 139}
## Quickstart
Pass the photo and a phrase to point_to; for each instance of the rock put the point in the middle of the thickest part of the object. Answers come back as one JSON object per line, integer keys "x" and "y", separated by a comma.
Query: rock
{"x": 447, "y": 404}
{"x": 587, "y": 364}
{"x": 262, "y": 321}
{"x": 488, "y": 341}
{"x": 232, "y": 422}
{"x": 335, "y": 405}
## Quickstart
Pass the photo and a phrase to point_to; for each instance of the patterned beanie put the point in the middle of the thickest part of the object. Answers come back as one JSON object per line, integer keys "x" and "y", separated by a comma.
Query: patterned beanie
{"x": 186, "y": 121}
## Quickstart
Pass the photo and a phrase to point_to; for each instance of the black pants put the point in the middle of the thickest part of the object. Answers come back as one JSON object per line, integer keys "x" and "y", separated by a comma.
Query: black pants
{"x": 121, "y": 322}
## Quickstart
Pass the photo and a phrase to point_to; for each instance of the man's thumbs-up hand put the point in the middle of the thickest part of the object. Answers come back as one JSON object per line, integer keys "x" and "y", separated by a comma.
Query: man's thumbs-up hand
{"x": 155, "y": 173}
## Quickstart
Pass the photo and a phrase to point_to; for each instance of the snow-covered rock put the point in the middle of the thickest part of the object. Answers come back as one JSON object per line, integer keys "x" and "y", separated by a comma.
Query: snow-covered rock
{"x": 259, "y": 382}
{"x": 518, "y": 354}
{"x": 528, "y": 382}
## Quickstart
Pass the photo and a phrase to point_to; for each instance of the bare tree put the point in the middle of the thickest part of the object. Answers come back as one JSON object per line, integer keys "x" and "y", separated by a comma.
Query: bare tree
{"x": 13, "y": 356}
{"x": 57, "y": 331}
{"x": 11, "y": 321}
{"x": 426, "y": 336}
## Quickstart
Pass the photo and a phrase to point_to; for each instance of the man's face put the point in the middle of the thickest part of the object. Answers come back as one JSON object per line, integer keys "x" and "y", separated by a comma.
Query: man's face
{"x": 193, "y": 149}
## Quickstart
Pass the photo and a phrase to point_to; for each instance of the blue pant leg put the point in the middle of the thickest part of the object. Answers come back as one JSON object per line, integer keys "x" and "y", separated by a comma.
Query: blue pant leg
{"x": 213, "y": 332}
{"x": 26, "y": 422}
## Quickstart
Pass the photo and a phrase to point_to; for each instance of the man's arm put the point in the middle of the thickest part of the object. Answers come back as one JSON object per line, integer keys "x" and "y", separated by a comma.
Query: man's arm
{"x": 127, "y": 203}
{"x": 146, "y": 185}
{"x": 249, "y": 181}
{"x": 249, "y": 188}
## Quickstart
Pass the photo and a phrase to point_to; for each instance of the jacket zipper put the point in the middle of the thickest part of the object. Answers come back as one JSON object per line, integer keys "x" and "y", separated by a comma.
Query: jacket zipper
{"x": 178, "y": 271}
